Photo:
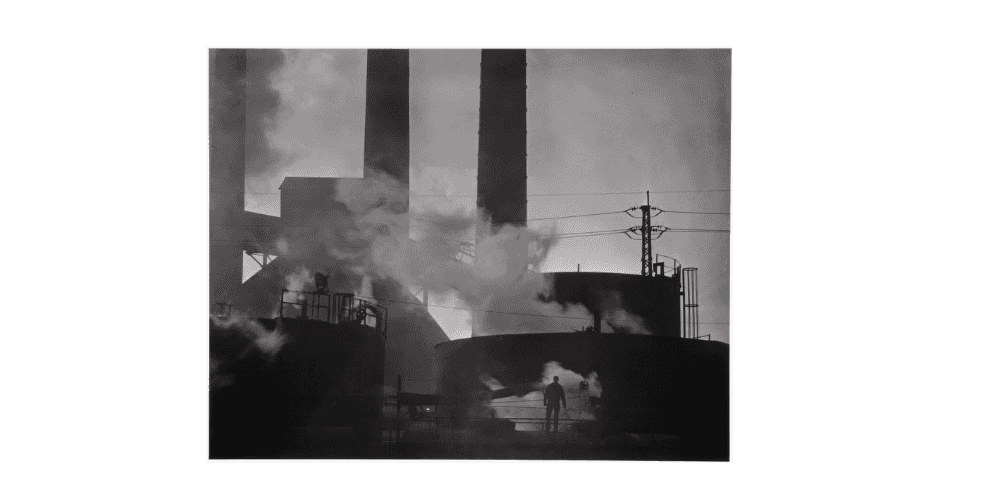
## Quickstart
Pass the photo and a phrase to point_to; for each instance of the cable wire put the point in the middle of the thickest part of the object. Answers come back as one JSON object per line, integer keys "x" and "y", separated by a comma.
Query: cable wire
{"x": 684, "y": 212}
{"x": 578, "y": 318}
{"x": 545, "y": 218}
{"x": 437, "y": 195}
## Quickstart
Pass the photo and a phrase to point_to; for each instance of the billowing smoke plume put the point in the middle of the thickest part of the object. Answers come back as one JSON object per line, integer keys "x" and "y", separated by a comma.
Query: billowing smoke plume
{"x": 267, "y": 341}
{"x": 501, "y": 275}
{"x": 242, "y": 109}
{"x": 245, "y": 346}
{"x": 295, "y": 283}
{"x": 285, "y": 96}
{"x": 368, "y": 238}
{"x": 319, "y": 121}
{"x": 620, "y": 320}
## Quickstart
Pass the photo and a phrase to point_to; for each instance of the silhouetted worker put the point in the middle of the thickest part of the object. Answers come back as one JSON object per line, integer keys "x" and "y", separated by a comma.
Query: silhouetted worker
{"x": 553, "y": 395}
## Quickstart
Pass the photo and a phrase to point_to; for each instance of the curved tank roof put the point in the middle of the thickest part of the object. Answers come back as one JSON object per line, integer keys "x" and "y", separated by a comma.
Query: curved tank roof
{"x": 655, "y": 300}
{"x": 646, "y": 382}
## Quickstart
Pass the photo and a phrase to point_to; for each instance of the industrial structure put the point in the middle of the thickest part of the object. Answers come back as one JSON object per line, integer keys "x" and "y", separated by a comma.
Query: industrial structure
{"x": 661, "y": 383}
{"x": 374, "y": 364}
{"x": 501, "y": 187}
{"x": 317, "y": 365}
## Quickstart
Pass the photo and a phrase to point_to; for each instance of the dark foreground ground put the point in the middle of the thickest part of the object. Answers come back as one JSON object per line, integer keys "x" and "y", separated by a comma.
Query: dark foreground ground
{"x": 458, "y": 445}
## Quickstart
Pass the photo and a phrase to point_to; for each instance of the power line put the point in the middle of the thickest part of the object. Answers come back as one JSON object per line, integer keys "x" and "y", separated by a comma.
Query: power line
{"x": 663, "y": 229}
{"x": 582, "y": 233}
{"x": 600, "y": 231}
{"x": 622, "y": 193}
{"x": 437, "y": 195}
{"x": 545, "y": 218}
{"x": 417, "y": 304}
{"x": 590, "y": 235}
{"x": 635, "y": 192}
{"x": 559, "y": 236}
{"x": 424, "y": 219}
{"x": 217, "y": 242}
{"x": 579, "y": 318}
{"x": 579, "y": 215}
{"x": 683, "y": 212}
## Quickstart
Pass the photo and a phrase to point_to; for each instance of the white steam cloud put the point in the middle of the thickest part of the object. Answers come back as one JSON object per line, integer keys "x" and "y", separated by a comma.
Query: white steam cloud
{"x": 617, "y": 317}
{"x": 267, "y": 341}
{"x": 501, "y": 274}
{"x": 528, "y": 410}
{"x": 374, "y": 239}
{"x": 494, "y": 277}
{"x": 295, "y": 283}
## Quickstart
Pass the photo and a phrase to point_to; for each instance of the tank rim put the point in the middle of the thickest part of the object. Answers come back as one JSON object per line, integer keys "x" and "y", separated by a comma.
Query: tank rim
{"x": 654, "y": 338}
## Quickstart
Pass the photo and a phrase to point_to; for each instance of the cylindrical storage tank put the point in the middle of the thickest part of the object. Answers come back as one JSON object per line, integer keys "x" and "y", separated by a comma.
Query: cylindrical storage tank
{"x": 648, "y": 383}
{"x": 333, "y": 375}
{"x": 655, "y": 300}
{"x": 320, "y": 376}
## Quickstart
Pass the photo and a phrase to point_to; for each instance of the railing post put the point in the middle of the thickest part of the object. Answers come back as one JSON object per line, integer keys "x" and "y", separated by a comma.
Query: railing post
{"x": 399, "y": 393}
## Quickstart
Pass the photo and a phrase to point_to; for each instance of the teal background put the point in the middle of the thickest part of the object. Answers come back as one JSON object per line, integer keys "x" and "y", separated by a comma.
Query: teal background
{"x": 856, "y": 325}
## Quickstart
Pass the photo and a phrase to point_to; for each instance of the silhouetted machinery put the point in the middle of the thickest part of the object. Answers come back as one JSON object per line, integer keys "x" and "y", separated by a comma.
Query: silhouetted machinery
{"x": 661, "y": 382}
{"x": 655, "y": 300}
{"x": 651, "y": 384}
{"x": 318, "y": 366}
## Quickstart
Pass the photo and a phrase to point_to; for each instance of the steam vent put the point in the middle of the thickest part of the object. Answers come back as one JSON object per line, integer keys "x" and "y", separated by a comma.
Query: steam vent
{"x": 334, "y": 345}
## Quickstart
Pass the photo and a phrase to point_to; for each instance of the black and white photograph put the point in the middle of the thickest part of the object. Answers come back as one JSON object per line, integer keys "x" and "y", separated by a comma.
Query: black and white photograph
{"x": 469, "y": 254}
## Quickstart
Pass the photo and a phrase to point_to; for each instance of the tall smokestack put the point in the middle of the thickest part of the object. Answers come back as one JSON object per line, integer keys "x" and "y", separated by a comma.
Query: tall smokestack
{"x": 387, "y": 140}
{"x": 227, "y": 170}
{"x": 241, "y": 102}
{"x": 502, "y": 137}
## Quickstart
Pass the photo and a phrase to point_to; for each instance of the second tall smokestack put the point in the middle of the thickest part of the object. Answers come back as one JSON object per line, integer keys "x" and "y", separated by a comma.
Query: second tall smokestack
{"x": 502, "y": 137}
{"x": 387, "y": 137}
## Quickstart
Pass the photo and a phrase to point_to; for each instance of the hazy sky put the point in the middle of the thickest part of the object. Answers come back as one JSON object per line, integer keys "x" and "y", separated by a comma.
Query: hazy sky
{"x": 597, "y": 121}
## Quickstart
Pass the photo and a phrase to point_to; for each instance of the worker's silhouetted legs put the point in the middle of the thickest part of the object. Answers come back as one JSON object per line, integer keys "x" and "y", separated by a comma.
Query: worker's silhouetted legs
{"x": 555, "y": 409}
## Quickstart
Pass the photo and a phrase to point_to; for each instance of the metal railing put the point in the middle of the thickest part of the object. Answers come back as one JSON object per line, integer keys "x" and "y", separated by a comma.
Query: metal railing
{"x": 664, "y": 265}
{"x": 430, "y": 411}
{"x": 221, "y": 309}
{"x": 334, "y": 308}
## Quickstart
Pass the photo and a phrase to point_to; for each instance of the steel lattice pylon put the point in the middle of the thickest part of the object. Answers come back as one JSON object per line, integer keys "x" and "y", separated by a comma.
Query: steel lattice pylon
{"x": 647, "y": 243}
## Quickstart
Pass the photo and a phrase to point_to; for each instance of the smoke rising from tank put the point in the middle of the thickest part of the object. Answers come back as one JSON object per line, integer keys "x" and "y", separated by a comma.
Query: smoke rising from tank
{"x": 296, "y": 282}
{"x": 620, "y": 320}
{"x": 266, "y": 341}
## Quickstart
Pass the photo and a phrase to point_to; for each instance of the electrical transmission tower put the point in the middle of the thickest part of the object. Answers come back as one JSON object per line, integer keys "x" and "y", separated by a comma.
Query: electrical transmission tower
{"x": 686, "y": 277}
{"x": 647, "y": 239}
{"x": 646, "y": 231}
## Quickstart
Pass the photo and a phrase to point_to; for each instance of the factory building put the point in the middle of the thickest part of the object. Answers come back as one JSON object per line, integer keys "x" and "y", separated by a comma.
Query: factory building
{"x": 311, "y": 213}
{"x": 659, "y": 383}
{"x": 667, "y": 381}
